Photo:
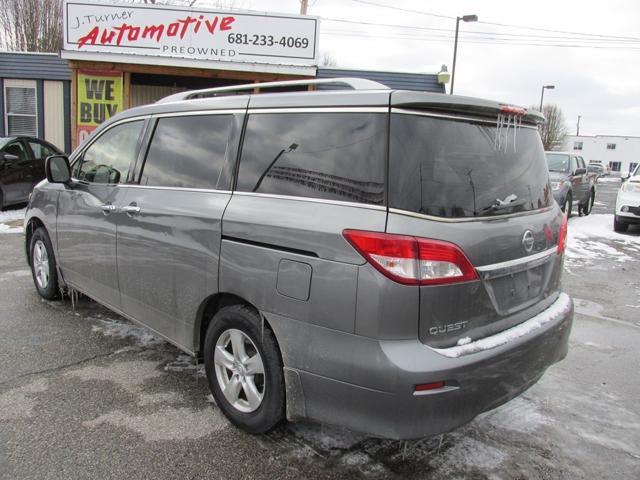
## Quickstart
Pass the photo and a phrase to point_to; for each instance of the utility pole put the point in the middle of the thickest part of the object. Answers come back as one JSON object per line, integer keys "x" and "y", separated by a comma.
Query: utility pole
{"x": 304, "y": 6}
{"x": 578, "y": 126}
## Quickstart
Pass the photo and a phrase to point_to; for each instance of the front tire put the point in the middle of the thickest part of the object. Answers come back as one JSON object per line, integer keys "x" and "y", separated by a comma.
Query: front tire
{"x": 568, "y": 205}
{"x": 619, "y": 226}
{"x": 244, "y": 369}
{"x": 43, "y": 265}
{"x": 587, "y": 207}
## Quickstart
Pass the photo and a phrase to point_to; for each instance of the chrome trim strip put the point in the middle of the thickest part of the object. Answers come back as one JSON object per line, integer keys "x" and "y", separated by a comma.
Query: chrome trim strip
{"x": 181, "y": 189}
{"x": 406, "y": 111}
{"x": 504, "y": 268}
{"x": 320, "y": 110}
{"x": 466, "y": 219}
{"x": 192, "y": 113}
{"x": 313, "y": 200}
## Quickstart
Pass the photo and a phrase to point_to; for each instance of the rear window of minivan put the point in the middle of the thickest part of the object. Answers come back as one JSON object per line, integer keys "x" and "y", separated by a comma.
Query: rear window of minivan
{"x": 455, "y": 168}
{"x": 331, "y": 156}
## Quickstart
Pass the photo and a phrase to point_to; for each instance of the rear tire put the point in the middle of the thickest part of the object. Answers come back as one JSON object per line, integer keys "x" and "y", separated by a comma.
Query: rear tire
{"x": 586, "y": 209}
{"x": 43, "y": 265}
{"x": 244, "y": 369}
{"x": 568, "y": 205}
{"x": 619, "y": 226}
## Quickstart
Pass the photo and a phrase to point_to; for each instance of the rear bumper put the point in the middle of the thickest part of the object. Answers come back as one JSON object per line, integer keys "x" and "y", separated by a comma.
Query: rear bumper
{"x": 368, "y": 385}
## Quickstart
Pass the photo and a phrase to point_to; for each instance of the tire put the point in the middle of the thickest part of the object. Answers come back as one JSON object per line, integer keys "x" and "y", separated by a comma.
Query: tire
{"x": 227, "y": 368}
{"x": 619, "y": 226}
{"x": 43, "y": 265}
{"x": 587, "y": 207}
{"x": 568, "y": 205}
{"x": 1, "y": 201}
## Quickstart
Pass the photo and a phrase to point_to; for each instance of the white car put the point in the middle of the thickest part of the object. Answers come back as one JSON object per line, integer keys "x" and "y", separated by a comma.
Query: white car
{"x": 628, "y": 203}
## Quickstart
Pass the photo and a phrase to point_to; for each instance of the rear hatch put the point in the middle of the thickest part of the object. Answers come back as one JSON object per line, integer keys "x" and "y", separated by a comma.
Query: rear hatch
{"x": 474, "y": 173}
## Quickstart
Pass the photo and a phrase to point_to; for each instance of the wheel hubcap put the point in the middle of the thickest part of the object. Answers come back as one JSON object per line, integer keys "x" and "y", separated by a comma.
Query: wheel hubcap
{"x": 239, "y": 370}
{"x": 41, "y": 264}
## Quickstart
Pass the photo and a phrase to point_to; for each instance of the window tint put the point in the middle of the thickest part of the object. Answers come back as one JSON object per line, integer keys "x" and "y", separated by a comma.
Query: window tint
{"x": 335, "y": 156}
{"x": 41, "y": 150}
{"x": 188, "y": 152}
{"x": 455, "y": 169}
{"x": 16, "y": 149}
{"x": 107, "y": 160}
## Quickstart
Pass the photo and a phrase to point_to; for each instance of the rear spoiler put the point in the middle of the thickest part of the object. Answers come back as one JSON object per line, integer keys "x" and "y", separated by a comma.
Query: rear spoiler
{"x": 458, "y": 105}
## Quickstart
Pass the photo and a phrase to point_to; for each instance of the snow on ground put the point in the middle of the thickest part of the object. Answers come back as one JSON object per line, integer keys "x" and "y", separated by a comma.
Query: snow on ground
{"x": 11, "y": 221}
{"x": 609, "y": 180}
{"x": 593, "y": 238}
{"x": 124, "y": 329}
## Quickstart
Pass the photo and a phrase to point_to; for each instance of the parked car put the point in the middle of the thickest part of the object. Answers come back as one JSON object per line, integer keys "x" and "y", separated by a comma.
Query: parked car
{"x": 571, "y": 182}
{"x": 597, "y": 170}
{"x": 628, "y": 203}
{"x": 367, "y": 258}
{"x": 606, "y": 169}
{"x": 21, "y": 167}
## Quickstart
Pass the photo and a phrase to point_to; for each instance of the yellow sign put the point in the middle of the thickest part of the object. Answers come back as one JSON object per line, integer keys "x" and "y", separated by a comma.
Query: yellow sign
{"x": 100, "y": 97}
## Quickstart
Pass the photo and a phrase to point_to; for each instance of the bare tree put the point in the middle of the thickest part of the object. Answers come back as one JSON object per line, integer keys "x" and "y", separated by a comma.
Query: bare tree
{"x": 554, "y": 129}
{"x": 31, "y": 25}
{"x": 328, "y": 60}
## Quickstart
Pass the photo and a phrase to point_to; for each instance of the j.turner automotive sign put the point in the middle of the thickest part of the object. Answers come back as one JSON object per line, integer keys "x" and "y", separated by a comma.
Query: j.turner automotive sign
{"x": 189, "y": 33}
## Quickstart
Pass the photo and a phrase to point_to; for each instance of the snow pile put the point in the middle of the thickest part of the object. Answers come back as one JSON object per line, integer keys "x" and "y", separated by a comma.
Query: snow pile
{"x": 593, "y": 238}
{"x": 120, "y": 329}
{"x": 558, "y": 308}
{"x": 9, "y": 221}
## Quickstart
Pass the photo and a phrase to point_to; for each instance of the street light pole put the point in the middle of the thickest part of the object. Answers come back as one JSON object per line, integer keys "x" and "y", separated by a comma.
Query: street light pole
{"x": 578, "y": 126}
{"x": 544, "y": 87}
{"x": 465, "y": 18}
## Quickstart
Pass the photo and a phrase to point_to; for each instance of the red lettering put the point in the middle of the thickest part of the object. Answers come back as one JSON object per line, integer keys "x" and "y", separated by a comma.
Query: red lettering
{"x": 107, "y": 37}
{"x": 153, "y": 30}
{"x": 185, "y": 24}
{"x": 133, "y": 33}
{"x": 89, "y": 37}
{"x": 122, "y": 29}
{"x": 172, "y": 29}
{"x": 226, "y": 23}
{"x": 198, "y": 24}
{"x": 211, "y": 26}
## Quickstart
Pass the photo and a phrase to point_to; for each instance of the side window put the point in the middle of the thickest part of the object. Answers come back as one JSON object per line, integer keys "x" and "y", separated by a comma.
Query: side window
{"x": 574, "y": 164}
{"x": 188, "y": 152}
{"x": 40, "y": 150}
{"x": 17, "y": 149}
{"x": 107, "y": 159}
{"x": 334, "y": 156}
{"x": 581, "y": 163}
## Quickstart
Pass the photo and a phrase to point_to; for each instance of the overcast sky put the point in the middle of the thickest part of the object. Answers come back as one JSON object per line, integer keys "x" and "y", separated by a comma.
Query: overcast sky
{"x": 601, "y": 84}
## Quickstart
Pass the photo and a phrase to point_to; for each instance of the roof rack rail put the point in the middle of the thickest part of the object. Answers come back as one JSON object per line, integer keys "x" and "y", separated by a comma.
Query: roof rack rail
{"x": 350, "y": 83}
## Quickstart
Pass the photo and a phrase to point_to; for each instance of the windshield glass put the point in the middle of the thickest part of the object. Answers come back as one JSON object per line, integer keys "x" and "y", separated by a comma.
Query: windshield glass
{"x": 558, "y": 162}
{"x": 450, "y": 168}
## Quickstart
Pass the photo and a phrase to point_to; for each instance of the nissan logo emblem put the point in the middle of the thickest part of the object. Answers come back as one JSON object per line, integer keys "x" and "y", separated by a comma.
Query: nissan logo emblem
{"x": 527, "y": 241}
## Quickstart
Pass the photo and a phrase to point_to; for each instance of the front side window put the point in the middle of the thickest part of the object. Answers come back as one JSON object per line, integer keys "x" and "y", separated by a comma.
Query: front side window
{"x": 333, "y": 156}
{"x": 17, "y": 149}
{"x": 188, "y": 152}
{"x": 40, "y": 150}
{"x": 455, "y": 169}
{"x": 20, "y": 111}
{"x": 107, "y": 160}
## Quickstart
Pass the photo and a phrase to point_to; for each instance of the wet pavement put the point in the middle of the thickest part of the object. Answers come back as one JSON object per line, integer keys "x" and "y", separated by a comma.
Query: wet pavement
{"x": 86, "y": 394}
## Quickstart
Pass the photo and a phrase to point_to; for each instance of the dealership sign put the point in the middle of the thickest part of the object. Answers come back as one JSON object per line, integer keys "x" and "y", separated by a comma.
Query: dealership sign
{"x": 100, "y": 97}
{"x": 189, "y": 33}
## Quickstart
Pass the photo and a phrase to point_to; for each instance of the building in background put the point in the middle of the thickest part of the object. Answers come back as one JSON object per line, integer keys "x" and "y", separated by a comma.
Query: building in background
{"x": 35, "y": 93}
{"x": 620, "y": 153}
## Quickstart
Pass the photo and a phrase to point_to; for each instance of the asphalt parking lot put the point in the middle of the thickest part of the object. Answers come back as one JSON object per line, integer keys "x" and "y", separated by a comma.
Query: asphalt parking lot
{"x": 85, "y": 394}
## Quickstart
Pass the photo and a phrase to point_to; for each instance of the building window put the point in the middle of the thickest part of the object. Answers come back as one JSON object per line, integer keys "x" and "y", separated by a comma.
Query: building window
{"x": 615, "y": 166}
{"x": 20, "y": 111}
{"x": 577, "y": 145}
{"x": 611, "y": 146}
{"x": 632, "y": 167}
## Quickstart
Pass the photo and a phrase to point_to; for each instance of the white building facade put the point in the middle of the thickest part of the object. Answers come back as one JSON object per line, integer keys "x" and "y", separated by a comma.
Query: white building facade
{"x": 620, "y": 153}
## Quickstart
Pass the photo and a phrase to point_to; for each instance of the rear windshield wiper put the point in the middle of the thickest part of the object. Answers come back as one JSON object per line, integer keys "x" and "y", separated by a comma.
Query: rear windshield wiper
{"x": 509, "y": 202}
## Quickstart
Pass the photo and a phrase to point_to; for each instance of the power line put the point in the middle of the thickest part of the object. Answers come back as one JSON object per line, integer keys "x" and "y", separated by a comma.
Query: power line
{"x": 430, "y": 14}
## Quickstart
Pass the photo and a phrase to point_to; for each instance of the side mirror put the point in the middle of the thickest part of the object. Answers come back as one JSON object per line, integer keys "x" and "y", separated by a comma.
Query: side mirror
{"x": 57, "y": 169}
{"x": 580, "y": 171}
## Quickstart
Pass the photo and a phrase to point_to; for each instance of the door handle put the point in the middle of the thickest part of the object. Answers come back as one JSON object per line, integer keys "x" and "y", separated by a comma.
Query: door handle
{"x": 108, "y": 208}
{"x": 131, "y": 209}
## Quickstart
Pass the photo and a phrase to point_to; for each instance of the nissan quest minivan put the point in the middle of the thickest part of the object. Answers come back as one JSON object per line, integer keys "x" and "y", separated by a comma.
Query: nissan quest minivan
{"x": 385, "y": 260}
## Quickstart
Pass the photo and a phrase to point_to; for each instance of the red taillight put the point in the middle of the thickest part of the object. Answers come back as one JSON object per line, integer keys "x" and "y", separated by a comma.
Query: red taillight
{"x": 413, "y": 260}
{"x": 429, "y": 386}
{"x": 562, "y": 237}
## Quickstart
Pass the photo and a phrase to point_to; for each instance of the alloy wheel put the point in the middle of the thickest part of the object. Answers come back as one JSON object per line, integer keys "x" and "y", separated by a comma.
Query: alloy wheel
{"x": 41, "y": 264}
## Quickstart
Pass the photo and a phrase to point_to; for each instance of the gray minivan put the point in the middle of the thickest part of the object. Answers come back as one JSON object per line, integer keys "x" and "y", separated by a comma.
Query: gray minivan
{"x": 384, "y": 260}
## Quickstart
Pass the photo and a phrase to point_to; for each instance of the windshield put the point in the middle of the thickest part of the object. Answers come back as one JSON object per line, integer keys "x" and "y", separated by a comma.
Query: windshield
{"x": 449, "y": 168}
{"x": 558, "y": 162}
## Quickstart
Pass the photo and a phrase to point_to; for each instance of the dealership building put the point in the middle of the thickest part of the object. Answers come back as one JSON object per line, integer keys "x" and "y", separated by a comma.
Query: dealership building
{"x": 117, "y": 56}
